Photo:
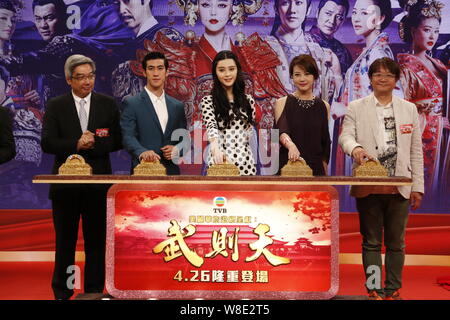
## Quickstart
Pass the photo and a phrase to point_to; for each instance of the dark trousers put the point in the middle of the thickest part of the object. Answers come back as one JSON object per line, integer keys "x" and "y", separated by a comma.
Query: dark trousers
{"x": 388, "y": 213}
{"x": 68, "y": 206}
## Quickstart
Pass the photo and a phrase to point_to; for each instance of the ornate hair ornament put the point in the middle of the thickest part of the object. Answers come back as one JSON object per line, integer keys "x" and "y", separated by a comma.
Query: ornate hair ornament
{"x": 431, "y": 8}
{"x": 190, "y": 8}
{"x": 16, "y": 4}
{"x": 401, "y": 30}
{"x": 240, "y": 10}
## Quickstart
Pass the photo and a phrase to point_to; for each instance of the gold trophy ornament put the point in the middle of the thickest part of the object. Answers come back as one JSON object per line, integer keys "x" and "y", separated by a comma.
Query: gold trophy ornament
{"x": 225, "y": 169}
{"x": 150, "y": 168}
{"x": 75, "y": 165}
{"x": 370, "y": 168}
{"x": 297, "y": 168}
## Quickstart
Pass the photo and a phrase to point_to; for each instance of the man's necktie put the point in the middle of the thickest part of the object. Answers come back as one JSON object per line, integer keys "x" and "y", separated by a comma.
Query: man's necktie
{"x": 83, "y": 116}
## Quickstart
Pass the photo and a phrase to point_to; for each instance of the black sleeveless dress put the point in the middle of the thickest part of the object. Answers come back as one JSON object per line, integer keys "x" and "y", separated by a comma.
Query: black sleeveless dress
{"x": 308, "y": 129}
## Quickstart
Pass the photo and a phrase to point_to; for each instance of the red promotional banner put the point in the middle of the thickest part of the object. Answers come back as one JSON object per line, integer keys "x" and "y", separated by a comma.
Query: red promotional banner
{"x": 166, "y": 242}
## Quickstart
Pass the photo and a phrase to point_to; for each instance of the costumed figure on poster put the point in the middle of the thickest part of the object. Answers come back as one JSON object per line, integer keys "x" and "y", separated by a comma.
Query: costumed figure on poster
{"x": 20, "y": 97}
{"x": 190, "y": 77}
{"x": 50, "y": 20}
{"x": 289, "y": 39}
{"x": 100, "y": 35}
{"x": 330, "y": 17}
{"x": 138, "y": 17}
{"x": 369, "y": 19}
{"x": 424, "y": 81}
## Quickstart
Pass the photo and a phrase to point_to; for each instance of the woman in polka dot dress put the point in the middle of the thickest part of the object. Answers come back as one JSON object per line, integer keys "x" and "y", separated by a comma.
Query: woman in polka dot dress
{"x": 229, "y": 114}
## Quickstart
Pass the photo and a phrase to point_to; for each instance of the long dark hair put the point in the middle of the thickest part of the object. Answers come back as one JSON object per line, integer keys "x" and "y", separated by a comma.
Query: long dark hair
{"x": 241, "y": 107}
{"x": 385, "y": 10}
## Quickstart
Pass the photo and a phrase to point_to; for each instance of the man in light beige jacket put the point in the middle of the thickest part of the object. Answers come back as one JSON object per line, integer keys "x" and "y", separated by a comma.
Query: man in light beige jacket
{"x": 385, "y": 127}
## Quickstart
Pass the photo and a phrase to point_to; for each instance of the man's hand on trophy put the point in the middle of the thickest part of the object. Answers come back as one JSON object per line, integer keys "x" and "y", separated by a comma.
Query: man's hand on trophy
{"x": 150, "y": 156}
{"x": 360, "y": 155}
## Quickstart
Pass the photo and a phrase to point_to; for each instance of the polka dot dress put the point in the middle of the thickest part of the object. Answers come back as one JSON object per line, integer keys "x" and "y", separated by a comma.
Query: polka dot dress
{"x": 234, "y": 142}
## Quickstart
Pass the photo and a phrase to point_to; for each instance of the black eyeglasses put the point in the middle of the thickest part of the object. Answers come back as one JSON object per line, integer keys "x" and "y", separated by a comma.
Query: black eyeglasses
{"x": 384, "y": 75}
{"x": 85, "y": 77}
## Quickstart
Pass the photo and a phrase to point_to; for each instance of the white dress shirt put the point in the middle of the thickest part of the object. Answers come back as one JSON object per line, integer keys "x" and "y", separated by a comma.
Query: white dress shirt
{"x": 159, "y": 103}
{"x": 87, "y": 104}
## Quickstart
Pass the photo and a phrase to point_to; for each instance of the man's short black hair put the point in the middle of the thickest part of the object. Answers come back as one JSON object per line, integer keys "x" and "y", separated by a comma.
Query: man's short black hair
{"x": 153, "y": 56}
{"x": 386, "y": 63}
{"x": 343, "y": 3}
{"x": 60, "y": 6}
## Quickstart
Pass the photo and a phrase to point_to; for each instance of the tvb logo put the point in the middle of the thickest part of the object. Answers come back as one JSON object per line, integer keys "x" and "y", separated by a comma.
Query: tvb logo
{"x": 220, "y": 204}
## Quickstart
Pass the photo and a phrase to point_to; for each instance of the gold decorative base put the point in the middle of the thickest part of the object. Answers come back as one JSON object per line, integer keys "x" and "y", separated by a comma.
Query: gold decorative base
{"x": 75, "y": 165}
{"x": 146, "y": 168}
{"x": 297, "y": 168}
{"x": 370, "y": 168}
{"x": 223, "y": 170}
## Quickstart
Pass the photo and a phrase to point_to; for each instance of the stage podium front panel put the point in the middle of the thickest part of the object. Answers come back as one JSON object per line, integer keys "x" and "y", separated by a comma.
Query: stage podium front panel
{"x": 230, "y": 241}
{"x": 194, "y": 237}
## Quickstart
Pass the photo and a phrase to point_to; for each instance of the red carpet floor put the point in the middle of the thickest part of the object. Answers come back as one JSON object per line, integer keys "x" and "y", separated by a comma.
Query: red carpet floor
{"x": 31, "y": 281}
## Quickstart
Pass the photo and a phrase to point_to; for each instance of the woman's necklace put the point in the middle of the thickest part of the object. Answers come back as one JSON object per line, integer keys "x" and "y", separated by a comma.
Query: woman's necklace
{"x": 305, "y": 104}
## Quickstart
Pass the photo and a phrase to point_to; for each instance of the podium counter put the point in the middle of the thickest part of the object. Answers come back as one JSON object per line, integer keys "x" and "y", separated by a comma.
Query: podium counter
{"x": 198, "y": 237}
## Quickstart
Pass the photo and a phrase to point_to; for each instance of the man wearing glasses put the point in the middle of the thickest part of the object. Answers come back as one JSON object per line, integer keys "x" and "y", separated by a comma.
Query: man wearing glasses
{"x": 86, "y": 123}
{"x": 386, "y": 127}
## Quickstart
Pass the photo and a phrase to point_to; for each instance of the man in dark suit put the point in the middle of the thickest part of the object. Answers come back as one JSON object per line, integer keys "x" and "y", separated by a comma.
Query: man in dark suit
{"x": 7, "y": 145}
{"x": 85, "y": 123}
{"x": 149, "y": 118}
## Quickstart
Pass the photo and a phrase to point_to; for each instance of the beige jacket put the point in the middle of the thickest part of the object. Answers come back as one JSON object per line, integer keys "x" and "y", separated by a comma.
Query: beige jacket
{"x": 360, "y": 129}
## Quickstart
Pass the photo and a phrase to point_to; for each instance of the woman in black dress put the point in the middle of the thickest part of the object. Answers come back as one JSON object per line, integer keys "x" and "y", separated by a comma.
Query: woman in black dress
{"x": 302, "y": 119}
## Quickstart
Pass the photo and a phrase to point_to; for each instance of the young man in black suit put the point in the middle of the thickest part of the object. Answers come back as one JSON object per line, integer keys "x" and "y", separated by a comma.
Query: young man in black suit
{"x": 86, "y": 123}
{"x": 7, "y": 145}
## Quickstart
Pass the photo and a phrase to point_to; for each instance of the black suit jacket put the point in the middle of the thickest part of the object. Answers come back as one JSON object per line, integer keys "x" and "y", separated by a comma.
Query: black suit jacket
{"x": 61, "y": 130}
{"x": 7, "y": 144}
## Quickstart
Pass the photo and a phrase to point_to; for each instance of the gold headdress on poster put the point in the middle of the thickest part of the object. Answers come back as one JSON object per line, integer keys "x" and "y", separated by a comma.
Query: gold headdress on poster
{"x": 241, "y": 9}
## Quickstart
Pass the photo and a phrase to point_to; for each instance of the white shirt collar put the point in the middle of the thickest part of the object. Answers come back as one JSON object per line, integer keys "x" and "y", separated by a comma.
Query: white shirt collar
{"x": 153, "y": 96}
{"x": 378, "y": 104}
{"x": 148, "y": 23}
{"x": 160, "y": 107}
{"x": 78, "y": 99}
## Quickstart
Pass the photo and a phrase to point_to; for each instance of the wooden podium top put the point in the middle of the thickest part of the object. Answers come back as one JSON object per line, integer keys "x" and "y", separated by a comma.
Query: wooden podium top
{"x": 191, "y": 179}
